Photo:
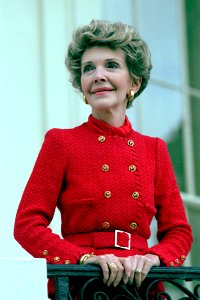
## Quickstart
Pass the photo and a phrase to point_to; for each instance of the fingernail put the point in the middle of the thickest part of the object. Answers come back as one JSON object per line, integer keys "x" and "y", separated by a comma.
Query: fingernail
{"x": 125, "y": 281}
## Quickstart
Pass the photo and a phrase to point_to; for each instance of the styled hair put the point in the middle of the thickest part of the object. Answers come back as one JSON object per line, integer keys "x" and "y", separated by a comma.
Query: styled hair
{"x": 114, "y": 36}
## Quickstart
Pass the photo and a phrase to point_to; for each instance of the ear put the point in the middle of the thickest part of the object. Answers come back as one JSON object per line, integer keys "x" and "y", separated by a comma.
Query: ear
{"x": 136, "y": 84}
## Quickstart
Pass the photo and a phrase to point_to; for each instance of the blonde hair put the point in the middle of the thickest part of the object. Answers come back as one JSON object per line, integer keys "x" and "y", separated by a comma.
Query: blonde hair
{"x": 115, "y": 36}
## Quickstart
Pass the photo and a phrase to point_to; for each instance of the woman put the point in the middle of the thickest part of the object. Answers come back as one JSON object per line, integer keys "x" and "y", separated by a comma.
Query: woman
{"x": 105, "y": 171}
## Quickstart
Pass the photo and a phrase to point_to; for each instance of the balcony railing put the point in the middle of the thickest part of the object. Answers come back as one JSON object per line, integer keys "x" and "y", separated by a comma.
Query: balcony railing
{"x": 184, "y": 281}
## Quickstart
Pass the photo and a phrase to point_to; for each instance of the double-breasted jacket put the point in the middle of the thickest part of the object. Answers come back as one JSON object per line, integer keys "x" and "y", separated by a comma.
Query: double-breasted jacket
{"x": 108, "y": 184}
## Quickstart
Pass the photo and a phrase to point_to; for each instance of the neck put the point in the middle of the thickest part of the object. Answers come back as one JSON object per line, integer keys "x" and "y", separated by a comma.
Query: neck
{"x": 111, "y": 118}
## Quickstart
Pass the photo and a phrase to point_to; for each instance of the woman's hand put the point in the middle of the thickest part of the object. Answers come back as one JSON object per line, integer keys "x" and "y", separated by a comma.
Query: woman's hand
{"x": 137, "y": 267}
{"x": 131, "y": 269}
{"x": 113, "y": 270}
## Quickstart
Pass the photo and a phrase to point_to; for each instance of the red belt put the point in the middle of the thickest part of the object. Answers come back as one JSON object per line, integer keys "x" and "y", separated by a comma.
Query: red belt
{"x": 108, "y": 239}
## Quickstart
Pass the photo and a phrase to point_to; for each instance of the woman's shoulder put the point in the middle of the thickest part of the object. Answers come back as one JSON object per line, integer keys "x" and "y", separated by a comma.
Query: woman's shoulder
{"x": 154, "y": 147}
{"x": 148, "y": 138}
{"x": 59, "y": 132}
{"x": 156, "y": 144}
{"x": 64, "y": 134}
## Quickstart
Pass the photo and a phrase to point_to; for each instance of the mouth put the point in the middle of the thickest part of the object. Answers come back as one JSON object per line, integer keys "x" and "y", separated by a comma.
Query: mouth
{"x": 101, "y": 90}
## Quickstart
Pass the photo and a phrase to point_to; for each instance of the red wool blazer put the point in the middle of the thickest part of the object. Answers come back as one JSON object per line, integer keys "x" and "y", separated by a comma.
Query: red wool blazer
{"x": 104, "y": 180}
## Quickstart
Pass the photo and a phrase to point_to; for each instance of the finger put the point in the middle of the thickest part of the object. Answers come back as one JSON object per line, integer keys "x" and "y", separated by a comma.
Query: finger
{"x": 127, "y": 265}
{"x": 146, "y": 268}
{"x": 110, "y": 269}
{"x": 119, "y": 274}
{"x": 101, "y": 261}
{"x": 144, "y": 273}
{"x": 139, "y": 270}
{"x": 138, "y": 276}
{"x": 106, "y": 271}
{"x": 113, "y": 273}
{"x": 133, "y": 268}
{"x": 142, "y": 269}
{"x": 116, "y": 271}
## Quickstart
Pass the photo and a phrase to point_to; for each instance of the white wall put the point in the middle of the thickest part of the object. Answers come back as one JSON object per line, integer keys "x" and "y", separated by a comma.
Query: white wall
{"x": 35, "y": 94}
{"x": 23, "y": 279}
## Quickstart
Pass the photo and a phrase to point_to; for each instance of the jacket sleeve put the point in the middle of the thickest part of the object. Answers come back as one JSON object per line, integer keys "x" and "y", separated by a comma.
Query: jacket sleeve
{"x": 174, "y": 233}
{"x": 39, "y": 202}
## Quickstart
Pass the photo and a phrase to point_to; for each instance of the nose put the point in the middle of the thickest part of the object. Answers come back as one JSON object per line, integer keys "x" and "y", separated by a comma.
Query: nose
{"x": 99, "y": 75}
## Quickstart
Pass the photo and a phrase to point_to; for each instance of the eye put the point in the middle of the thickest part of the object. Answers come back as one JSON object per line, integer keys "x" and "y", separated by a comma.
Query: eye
{"x": 88, "y": 68}
{"x": 112, "y": 65}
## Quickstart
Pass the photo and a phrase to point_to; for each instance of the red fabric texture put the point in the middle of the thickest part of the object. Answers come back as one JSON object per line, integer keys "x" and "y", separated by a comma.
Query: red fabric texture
{"x": 69, "y": 174}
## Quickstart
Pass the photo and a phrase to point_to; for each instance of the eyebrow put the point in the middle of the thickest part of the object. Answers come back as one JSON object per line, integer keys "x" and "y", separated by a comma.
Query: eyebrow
{"x": 106, "y": 60}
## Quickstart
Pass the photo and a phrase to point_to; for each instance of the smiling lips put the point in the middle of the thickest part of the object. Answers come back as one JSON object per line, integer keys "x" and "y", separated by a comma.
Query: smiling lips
{"x": 101, "y": 90}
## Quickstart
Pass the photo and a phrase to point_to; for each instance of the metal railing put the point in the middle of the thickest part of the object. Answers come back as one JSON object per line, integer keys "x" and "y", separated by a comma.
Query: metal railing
{"x": 88, "y": 279}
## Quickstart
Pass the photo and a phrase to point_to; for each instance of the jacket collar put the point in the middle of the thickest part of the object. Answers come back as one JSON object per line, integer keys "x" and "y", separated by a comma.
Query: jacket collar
{"x": 103, "y": 128}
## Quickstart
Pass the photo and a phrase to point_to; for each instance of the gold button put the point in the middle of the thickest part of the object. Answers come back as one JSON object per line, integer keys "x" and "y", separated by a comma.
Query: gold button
{"x": 105, "y": 168}
{"x": 133, "y": 225}
{"x": 107, "y": 194}
{"x": 67, "y": 261}
{"x": 183, "y": 257}
{"x": 135, "y": 195}
{"x": 132, "y": 168}
{"x": 106, "y": 225}
{"x": 56, "y": 258}
{"x": 130, "y": 143}
{"x": 177, "y": 261}
{"x": 101, "y": 138}
{"x": 45, "y": 252}
{"x": 171, "y": 264}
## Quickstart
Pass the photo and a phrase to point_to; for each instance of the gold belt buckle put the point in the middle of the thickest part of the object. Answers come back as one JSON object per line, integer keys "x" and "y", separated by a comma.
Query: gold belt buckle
{"x": 116, "y": 239}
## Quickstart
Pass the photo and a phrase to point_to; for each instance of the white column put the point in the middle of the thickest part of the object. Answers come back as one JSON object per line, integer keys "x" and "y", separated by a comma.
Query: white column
{"x": 23, "y": 279}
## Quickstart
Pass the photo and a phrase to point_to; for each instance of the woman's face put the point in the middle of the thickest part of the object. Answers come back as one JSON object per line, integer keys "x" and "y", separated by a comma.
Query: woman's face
{"x": 105, "y": 79}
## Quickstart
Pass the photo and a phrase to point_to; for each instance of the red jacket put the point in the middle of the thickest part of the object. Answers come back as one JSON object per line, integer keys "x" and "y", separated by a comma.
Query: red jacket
{"x": 102, "y": 179}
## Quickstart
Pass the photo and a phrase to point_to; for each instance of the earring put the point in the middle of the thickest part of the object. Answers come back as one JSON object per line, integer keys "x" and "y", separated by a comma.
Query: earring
{"x": 85, "y": 99}
{"x": 130, "y": 95}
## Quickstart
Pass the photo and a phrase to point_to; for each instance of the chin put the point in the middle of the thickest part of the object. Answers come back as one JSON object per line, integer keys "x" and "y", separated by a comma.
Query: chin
{"x": 103, "y": 106}
{"x": 104, "y": 102}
